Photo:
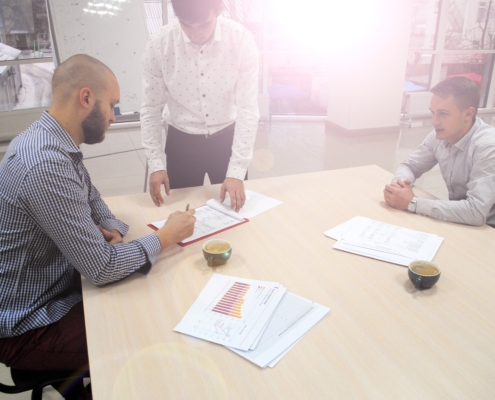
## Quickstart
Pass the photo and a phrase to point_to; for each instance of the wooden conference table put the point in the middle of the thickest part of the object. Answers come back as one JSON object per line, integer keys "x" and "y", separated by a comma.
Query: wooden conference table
{"x": 382, "y": 339}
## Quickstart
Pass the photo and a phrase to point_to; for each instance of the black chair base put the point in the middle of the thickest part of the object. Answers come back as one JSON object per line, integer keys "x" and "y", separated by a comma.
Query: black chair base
{"x": 67, "y": 383}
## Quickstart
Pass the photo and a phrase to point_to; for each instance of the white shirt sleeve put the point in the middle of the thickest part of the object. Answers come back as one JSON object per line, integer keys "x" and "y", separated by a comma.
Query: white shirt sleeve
{"x": 480, "y": 196}
{"x": 246, "y": 101}
{"x": 420, "y": 161}
{"x": 154, "y": 100}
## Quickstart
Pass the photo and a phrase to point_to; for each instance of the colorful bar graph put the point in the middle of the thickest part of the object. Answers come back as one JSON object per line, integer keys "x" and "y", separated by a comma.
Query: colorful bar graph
{"x": 231, "y": 302}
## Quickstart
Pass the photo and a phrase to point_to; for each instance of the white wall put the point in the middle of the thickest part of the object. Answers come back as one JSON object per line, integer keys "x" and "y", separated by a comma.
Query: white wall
{"x": 366, "y": 80}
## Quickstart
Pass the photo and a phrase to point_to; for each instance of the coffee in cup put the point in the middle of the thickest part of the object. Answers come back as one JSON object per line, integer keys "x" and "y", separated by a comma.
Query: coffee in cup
{"x": 423, "y": 274}
{"x": 217, "y": 252}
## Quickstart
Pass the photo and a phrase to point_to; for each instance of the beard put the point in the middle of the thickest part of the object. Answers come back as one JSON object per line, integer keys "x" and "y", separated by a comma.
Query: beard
{"x": 94, "y": 125}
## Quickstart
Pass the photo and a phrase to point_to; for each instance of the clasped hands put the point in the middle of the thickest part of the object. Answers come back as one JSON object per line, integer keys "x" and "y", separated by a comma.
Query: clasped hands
{"x": 398, "y": 194}
{"x": 234, "y": 187}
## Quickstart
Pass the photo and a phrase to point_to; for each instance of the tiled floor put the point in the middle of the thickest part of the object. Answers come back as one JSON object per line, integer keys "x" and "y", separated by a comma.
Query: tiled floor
{"x": 282, "y": 148}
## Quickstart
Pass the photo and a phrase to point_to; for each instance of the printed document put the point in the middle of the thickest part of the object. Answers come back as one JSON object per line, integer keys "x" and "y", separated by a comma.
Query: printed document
{"x": 384, "y": 241}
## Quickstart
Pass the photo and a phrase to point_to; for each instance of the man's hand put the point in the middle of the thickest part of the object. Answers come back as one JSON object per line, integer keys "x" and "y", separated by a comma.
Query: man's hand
{"x": 235, "y": 189}
{"x": 112, "y": 236}
{"x": 179, "y": 226}
{"x": 398, "y": 194}
{"x": 157, "y": 179}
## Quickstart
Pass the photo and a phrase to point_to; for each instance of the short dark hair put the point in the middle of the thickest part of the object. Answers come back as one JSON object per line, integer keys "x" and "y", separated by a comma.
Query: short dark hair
{"x": 196, "y": 10}
{"x": 465, "y": 92}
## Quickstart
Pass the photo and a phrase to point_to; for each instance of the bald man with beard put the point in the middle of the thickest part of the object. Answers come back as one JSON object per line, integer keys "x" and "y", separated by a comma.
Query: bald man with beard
{"x": 55, "y": 226}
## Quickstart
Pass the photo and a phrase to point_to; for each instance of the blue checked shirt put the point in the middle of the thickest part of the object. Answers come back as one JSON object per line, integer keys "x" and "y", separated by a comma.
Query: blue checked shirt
{"x": 48, "y": 227}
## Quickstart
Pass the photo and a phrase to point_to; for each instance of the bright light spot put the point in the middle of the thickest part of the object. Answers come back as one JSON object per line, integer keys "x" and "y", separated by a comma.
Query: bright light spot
{"x": 323, "y": 25}
{"x": 109, "y": 6}
{"x": 92, "y": 11}
{"x": 102, "y": 12}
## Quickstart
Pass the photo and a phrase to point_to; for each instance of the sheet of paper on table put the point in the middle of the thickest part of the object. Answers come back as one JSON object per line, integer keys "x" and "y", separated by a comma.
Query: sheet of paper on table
{"x": 256, "y": 203}
{"x": 391, "y": 243}
{"x": 231, "y": 311}
{"x": 292, "y": 319}
{"x": 258, "y": 320}
{"x": 216, "y": 217}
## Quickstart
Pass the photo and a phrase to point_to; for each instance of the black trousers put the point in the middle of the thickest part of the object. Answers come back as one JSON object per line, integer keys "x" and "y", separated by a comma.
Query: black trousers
{"x": 190, "y": 157}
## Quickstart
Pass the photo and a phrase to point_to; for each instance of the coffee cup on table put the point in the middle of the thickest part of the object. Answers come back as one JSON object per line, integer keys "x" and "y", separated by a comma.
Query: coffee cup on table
{"x": 423, "y": 274}
{"x": 217, "y": 252}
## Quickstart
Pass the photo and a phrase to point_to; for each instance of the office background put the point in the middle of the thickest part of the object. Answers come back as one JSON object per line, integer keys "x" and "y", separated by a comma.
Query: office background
{"x": 340, "y": 85}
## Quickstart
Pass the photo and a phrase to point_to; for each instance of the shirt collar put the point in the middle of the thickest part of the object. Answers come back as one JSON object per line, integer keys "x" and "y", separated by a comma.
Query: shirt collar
{"x": 463, "y": 143}
{"x": 52, "y": 125}
{"x": 217, "y": 35}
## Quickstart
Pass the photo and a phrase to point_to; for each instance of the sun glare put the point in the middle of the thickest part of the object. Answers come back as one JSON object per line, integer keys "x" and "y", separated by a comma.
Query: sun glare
{"x": 323, "y": 24}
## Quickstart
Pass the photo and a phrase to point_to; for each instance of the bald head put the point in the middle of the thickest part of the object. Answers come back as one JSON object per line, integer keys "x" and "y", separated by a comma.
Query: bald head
{"x": 77, "y": 72}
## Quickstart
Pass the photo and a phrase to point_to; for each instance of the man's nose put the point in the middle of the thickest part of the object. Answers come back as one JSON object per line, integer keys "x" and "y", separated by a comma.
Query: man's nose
{"x": 435, "y": 120}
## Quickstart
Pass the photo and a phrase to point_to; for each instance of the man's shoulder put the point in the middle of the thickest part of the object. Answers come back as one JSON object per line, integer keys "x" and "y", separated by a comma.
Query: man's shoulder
{"x": 485, "y": 130}
{"x": 166, "y": 33}
{"x": 233, "y": 29}
{"x": 36, "y": 145}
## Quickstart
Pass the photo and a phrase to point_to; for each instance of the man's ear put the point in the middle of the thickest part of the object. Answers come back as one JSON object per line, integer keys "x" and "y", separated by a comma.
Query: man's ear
{"x": 470, "y": 112}
{"x": 85, "y": 97}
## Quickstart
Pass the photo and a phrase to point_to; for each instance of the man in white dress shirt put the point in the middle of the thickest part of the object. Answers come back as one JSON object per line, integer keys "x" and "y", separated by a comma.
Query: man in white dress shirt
{"x": 464, "y": 148}
{"x": 201, "y": 76}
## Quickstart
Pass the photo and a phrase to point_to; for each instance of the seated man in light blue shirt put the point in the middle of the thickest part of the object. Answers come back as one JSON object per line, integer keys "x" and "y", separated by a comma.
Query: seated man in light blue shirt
{"x": 464, "y": 148}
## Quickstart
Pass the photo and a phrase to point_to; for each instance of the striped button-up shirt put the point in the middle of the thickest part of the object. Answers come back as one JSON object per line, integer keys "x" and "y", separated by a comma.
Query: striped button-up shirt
{"x": 201, "y": 90}
{"x": 468, "y": 168}
{"x": 48, "y": 227}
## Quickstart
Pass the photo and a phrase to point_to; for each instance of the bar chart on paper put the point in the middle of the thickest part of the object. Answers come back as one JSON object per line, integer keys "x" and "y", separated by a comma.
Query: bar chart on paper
{"x": 231, "y": 311}
{"x": 231, "y": 302}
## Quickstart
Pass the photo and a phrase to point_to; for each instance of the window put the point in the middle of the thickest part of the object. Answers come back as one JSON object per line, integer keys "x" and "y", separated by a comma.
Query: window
{"x": 26, "y": 65}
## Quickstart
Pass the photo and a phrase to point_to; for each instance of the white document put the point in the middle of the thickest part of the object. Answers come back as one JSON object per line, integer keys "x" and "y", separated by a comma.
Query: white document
{"x": 231, "y": 311}
{"x": 215, "y": 216}
{"x": 383, "y": 241}
{"x": 293, "y": 317}
{"x": 255, "y": 204}
{"x": 208, "y": 221}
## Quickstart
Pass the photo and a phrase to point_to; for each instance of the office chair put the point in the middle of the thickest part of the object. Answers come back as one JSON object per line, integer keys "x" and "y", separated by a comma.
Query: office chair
{"x": 38, "y": 380}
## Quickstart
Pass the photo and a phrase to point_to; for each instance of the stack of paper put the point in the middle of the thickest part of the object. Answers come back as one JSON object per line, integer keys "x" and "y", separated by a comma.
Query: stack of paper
{"x": 256, "y": 319}
{"x": 383, "y": 241}
{"x": 215, "y": 217}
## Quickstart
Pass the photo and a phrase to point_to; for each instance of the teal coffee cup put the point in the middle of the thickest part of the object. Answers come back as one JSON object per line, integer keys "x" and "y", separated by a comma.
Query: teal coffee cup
{"x": 217, "y": 252}
{"x": 423, "y": 274}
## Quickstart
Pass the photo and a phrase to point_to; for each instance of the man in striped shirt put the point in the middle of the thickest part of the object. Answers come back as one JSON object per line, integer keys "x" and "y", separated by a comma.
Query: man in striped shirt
{"x": 54, "y": 225}
{"x": 464, "y": 148}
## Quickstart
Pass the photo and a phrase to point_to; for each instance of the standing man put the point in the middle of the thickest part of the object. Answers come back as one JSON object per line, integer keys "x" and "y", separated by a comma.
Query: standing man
{"x": 201, "y": 76}
{"x": 55, "y": 226}
{"x": 464, "y": 147}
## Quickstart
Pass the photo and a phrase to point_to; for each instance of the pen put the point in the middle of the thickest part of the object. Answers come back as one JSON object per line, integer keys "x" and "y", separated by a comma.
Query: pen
{"x": 187, "y": 207}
